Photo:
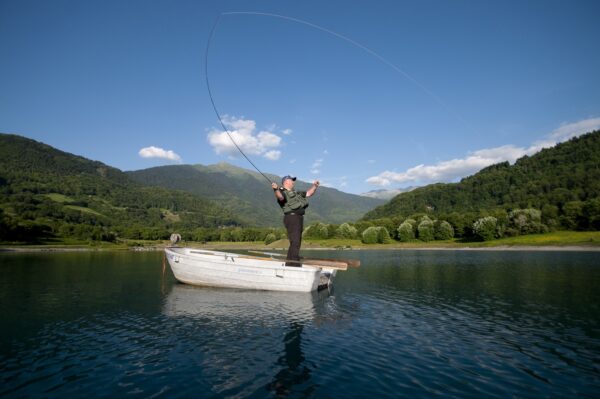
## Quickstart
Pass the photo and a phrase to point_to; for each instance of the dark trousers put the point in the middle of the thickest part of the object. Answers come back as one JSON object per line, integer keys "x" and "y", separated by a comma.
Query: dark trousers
{"x": 294, "y": 225}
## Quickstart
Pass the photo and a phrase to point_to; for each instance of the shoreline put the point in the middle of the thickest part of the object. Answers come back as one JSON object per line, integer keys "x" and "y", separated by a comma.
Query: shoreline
{"x": 154, "y": 248}
{"x": 557, "y": 248}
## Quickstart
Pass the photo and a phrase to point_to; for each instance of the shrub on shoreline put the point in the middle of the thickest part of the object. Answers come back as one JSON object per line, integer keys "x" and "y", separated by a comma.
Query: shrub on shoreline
{"x": 443, "y": 230}
{"x": 425, "y": 229}
{"x": 376, "y": 235}
{"x": 270, "y": 238}
{"x": 406, "y": 231}
{"x": 346, "y": 231}
{"x": 485, "y": 228}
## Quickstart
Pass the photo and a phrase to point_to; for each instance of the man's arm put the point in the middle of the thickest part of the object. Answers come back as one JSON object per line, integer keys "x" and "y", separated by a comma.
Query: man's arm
{"x": 312, "y": 189}
{"x": 277, "y": 192}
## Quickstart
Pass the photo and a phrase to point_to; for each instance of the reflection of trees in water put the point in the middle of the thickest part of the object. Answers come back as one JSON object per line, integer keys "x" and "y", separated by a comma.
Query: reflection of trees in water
{"x": 294, "y": 371}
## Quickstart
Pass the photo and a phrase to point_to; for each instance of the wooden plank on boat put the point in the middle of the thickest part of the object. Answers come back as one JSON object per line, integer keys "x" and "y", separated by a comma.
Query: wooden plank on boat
{"x": 330, "y": 264}
{"x": 323, "y": 263}
{"x": 348, "y": 262}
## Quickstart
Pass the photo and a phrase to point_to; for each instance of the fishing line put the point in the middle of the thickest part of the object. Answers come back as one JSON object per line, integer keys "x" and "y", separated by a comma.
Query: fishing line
{"x": 212, "y": 101}
{"x": 318, "y": 27}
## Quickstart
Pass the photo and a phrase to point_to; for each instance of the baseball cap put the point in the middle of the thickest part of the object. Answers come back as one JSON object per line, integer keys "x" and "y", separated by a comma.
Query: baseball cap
{"x": 288, "y": 177}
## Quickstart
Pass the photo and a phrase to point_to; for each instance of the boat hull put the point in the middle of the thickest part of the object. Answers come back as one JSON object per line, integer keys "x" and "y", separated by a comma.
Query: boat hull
{"x": 222, "y": 269}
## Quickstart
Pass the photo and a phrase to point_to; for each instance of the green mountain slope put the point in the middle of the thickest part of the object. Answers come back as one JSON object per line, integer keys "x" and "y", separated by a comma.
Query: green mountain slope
{"x": 248, "y": 195}
{"x": 55, "y": 191}
{"x": 555, "y": 180}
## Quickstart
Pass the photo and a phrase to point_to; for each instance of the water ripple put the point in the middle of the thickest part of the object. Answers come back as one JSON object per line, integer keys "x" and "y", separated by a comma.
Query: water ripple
{"x": 405, "y": 324}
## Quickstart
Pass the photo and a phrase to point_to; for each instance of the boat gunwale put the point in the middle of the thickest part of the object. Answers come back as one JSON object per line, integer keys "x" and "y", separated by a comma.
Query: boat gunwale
{"x": 223, "y": 256}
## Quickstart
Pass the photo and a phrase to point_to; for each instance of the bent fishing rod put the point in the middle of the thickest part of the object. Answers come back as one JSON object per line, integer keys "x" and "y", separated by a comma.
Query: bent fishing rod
{"x": 323, "y": 29}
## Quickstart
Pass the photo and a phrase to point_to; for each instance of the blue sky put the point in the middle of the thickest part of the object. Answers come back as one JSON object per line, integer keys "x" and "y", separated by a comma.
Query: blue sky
{"x": 122, "y": 82}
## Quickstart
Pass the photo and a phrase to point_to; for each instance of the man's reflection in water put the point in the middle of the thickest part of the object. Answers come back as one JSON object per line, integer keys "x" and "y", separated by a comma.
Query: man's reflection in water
{"x": 293, "y": 370}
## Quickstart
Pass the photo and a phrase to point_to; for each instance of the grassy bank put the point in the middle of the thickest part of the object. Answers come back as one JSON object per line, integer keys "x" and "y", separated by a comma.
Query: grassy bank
{"x": 553, "y": 239}
{"x": 557, "y": 239}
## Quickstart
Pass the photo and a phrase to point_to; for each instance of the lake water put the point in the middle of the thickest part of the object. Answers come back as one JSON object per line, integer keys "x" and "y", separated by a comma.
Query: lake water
{"x": 405, "y": 324}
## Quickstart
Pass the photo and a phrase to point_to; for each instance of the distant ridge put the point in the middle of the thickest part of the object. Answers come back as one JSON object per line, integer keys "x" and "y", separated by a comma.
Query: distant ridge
{"x": 248, "y": 195}
{"x": 387, "y": 194}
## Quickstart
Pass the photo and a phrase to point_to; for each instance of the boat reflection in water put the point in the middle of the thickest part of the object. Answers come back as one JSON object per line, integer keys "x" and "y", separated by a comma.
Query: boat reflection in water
{"x": 245, "y": 318}
{"x": 244, "y": 305}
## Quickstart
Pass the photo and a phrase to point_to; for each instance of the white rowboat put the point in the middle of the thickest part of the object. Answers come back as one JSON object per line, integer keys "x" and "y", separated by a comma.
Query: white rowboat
{"x": 223, "y": 269}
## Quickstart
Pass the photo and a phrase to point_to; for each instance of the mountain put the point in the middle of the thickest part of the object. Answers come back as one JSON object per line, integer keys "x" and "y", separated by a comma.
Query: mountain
{"x": 557, "y": 180}
{"x": 248, "y": 195}
{"x": 387, "y": 194}
{"x": 45, "y": 188}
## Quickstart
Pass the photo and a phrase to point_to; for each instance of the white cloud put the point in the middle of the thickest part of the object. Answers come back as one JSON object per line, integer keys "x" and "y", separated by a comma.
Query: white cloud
{"x": 286, "y": 132}
{"x": 325, "y": 152}
{"x": 331, "y": 181}
{"x": 268, "y": 139}
{"x": 272, "y": 155}
{"x": 243, "y": 132}
{"x": 316, "y": 166}
{"x": 446, "y": 171}
{"x": 293, "y": 160}
{"x": 565, "y": 132}
{"x": 157, "y": 152}
{"x": 381, "y": 179}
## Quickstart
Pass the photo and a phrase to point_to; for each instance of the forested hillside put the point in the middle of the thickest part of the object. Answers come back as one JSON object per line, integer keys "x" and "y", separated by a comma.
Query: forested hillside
{"x": 562, "y": 182}
{"x": 45, "y": 192}
{"x": 248, "y": 195}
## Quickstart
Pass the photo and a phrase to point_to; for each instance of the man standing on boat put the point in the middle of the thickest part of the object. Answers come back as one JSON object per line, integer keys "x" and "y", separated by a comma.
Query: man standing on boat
{"x": 293, "y": 203}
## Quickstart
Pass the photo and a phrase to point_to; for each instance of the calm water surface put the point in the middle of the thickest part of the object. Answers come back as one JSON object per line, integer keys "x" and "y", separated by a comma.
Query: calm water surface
{"x": 407, "y": 323}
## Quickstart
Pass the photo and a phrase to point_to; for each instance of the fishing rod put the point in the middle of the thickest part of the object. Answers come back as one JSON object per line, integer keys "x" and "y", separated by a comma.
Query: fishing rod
{"x": 212, "y": 101}
{"x": 323, "y": 29}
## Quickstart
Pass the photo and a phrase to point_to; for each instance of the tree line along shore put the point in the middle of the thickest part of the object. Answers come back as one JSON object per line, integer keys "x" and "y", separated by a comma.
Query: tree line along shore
{"x": 557, "y": 240}
{"x": 51, "y": 197}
